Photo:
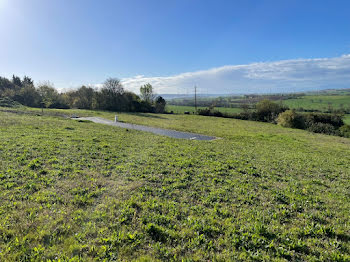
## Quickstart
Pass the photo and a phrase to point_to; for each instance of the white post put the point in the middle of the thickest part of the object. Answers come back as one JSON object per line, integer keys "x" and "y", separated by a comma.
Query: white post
{"x": 116, "y": 118}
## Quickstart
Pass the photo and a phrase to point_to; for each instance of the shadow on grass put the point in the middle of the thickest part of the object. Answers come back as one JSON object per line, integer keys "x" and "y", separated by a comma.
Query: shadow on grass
{"x": 148, "y": 115}
{"x": 85, "y": 121}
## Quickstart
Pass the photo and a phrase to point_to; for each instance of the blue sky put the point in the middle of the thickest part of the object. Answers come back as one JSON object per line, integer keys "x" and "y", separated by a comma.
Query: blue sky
{"x": 222, "y": 46}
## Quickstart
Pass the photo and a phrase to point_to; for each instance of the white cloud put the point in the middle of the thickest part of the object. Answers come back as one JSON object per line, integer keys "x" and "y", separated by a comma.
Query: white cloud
{"x": 280, "y": 76}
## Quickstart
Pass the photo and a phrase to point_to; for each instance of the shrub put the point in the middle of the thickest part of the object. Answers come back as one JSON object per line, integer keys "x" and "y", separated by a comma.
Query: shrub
{"x": 268, "y": 111}
{"x": 324, "y": 128}
{"x": 218, "y": 113}
{"x": 314, "y": 122}
{"x": 8, "y": 102}
{"x": 345, "y": 131}
{"x": 204, "y": 112}
{"x": 291, "y": 119}
{"x": 331, "y": 119}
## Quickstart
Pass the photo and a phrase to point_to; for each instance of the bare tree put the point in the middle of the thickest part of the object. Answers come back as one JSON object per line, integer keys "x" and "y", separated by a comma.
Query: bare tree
{"x": 114, "y": 86}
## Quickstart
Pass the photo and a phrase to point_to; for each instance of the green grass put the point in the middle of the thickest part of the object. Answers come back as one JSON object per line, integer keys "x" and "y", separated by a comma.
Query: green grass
{"x": 320, "y": 102}
{"x": 347, "y": 119}
{"x": 191, "y": 109}
{"x": 337, "y": 99}
{"x": 81, "y": 191}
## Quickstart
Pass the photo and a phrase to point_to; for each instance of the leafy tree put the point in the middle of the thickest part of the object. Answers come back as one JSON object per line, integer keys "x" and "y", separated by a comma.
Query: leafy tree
{"x": 48, "y": 94}
{"x": 27, "y": 81}
{"x": 81, "y": 98}
{"x": 147, "y": 93}
{"x": 5, "y": 84}
{"x": 29, "y": 96}
{"x": 9, "y": 89}
{"x": 132, "y": 102}
{"x": 160, "y": 105}
{"x": 16, "y": 81}
{"x": 23, "y": 92}
{"x": 111, "y": 96}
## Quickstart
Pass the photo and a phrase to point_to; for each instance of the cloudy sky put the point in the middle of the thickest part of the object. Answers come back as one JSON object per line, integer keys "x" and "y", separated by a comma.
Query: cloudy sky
{"x": 222, "y": 46}
{"x": 264, "y": 77}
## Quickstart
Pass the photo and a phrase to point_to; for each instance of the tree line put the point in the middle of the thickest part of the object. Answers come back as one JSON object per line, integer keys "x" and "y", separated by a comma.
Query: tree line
{"x": 111, "y": 96}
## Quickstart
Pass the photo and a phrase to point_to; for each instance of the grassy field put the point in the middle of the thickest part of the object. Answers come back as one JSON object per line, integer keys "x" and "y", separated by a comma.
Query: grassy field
{"x": 81, "y": 191}
{"x": 191, "y": 109}
{"x": 315, "y": 102}
{"x": 320, "y": 102}
{"x": 347, "y": 119}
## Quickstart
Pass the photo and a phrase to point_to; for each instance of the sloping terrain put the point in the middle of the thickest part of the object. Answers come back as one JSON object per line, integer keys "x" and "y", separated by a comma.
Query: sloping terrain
{"x": 75, "y": 191}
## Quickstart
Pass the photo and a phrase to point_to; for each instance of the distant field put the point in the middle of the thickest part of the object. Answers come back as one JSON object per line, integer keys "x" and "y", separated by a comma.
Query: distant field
{"x": 182, "y": 109}
{"x": 321, "y": 102}
{"x": 79, "y": 191}
{"x": 340, "y": 100}
{"x": 347, "y": 119}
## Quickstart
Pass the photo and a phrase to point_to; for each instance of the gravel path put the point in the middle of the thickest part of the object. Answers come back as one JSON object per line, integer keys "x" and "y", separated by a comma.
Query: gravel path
{"x": 154, "y": 130}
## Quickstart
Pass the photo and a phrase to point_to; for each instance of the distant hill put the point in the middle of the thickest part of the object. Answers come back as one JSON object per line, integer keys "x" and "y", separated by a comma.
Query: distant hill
{"x": 342, "y": 91}
{"x": 173, "y": 96}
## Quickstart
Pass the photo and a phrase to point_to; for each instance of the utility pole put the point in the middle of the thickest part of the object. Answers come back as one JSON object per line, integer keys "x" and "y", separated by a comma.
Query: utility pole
{"x": 195, "y": 97}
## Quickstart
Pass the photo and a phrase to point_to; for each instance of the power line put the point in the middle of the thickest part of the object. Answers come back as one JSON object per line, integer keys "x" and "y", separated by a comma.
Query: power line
{"x": 195, "y": 98}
